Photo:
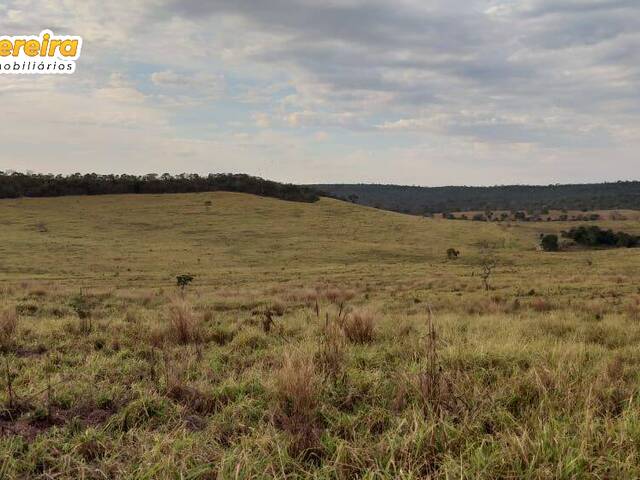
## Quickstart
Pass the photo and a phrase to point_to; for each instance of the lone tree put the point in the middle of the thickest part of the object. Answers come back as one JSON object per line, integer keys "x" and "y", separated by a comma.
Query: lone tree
{"x": 549, "y": 243}
{"x": 183, "y": 281}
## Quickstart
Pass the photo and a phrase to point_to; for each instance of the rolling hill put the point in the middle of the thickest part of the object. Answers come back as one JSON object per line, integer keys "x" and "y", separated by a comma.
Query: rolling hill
{"x": 317, "y": 340}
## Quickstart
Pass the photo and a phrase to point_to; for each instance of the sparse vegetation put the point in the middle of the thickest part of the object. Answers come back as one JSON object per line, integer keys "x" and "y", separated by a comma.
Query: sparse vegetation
{"x": 380, "y": 359}
{"x": 359, "y": 326}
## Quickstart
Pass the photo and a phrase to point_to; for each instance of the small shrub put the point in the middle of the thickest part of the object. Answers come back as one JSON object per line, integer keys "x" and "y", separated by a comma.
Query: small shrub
{"x": 183, "y": 281}
{"x": 549, "y": 243}
{"x": 81, "y": 306}
{"x": 452, "y": 253}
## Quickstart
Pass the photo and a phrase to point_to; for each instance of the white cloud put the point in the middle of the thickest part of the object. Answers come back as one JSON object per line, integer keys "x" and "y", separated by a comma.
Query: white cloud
{"x": 531, "y": 90}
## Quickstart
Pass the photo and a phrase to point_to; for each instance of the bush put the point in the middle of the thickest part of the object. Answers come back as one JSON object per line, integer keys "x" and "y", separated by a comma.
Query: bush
{"x": 452, "y": 253}
{"x": 593, "y": 236}
{"x": 549, "y": 243}
{"x": 183, "y": 281}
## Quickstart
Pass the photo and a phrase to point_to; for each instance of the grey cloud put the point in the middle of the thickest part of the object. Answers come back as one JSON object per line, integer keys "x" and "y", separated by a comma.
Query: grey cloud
{"x": 551, "y": 7}
{"x": 426, "y": 57}
{"x": 561, "y": 75}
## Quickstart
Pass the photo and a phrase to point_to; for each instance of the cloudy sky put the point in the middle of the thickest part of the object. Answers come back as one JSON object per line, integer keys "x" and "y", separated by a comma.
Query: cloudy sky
{"x": 424, "y": 92}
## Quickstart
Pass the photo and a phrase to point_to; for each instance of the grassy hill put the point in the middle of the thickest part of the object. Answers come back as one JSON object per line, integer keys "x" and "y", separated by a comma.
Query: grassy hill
{"x": 303, "y": 348}
{"x": 152, "y": 238}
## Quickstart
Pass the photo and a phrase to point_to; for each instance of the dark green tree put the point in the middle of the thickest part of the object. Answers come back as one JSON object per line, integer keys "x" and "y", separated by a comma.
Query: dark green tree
{"x": 549, "y": 243}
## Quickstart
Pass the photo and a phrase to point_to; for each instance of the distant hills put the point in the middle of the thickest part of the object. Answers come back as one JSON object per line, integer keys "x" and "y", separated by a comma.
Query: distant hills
{"x": 428, "y": 200}
{"x": 405, "y": 199}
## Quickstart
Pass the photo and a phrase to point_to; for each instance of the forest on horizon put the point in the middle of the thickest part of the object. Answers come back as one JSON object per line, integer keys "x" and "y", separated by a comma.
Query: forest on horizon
{"x": 428, "y": 200}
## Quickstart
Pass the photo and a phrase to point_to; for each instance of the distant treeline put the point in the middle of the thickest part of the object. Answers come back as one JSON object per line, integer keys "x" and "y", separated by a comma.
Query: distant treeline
{"x": 14, "y": 185}
{"x": 428, "y": 200}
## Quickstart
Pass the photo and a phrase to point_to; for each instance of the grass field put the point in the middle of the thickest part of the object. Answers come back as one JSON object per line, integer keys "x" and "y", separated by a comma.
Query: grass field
{"x": 319, "y": 340}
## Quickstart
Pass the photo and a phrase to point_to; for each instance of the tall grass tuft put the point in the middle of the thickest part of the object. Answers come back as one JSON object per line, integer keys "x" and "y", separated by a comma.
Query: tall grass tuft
{"x": 332, "y": 352}
{"x": 359, "y": 326}
{"x": 435, "y": 386}
{"x": 184, "y": 325}
{"x": 8, "y": 327}
{"x": 296, "y": 391}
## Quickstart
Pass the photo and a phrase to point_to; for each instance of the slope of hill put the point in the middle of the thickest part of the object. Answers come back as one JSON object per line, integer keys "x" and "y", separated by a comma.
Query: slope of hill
{"x": 149, "y": 237}
{"x": 421, "y": 200}
{"x": 305, "y": 347}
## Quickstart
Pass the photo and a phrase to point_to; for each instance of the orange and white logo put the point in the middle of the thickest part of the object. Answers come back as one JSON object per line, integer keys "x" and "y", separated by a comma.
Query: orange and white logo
{"x": 43, "y": 54}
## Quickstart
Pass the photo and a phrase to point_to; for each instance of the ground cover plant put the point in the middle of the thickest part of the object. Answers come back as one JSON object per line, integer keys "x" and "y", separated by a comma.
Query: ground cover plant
{"x": 321, "y": 340}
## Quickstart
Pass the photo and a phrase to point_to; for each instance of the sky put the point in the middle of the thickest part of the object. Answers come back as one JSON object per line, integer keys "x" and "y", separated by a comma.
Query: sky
{"x": 417, "y": 92}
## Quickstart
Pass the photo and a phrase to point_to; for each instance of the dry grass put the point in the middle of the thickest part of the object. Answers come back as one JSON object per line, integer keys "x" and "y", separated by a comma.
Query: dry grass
{"x": 297, "y": 390}
{"x": 359, "y": 326}
{"x": 333, "y": 349}
{"x": 633, "y": 308}
{"x": 8, "y": 327}
{"x": 505, "y": 388}
{"x": 541, "y": 305}
{"x": 184, "y": 325}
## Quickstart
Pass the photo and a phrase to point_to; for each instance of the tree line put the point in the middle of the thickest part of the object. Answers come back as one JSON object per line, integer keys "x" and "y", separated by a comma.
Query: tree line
{"x": 430, "y": 200}
{"x": 15, "y": 185}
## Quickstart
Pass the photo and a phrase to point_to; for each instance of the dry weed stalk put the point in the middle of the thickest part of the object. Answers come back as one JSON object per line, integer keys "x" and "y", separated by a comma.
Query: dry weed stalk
{"x": 297, "y": 389}
{"x": 436, "y": 389}
{"x": 333, "y": 349}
